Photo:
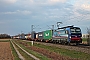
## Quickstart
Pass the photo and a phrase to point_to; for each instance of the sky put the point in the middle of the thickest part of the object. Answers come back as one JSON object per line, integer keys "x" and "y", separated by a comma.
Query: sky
{"x": 17, "y": 16}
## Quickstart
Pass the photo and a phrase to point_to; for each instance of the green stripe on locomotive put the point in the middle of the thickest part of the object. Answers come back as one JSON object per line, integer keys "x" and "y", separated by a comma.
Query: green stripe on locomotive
{"x": 48, "y": 35}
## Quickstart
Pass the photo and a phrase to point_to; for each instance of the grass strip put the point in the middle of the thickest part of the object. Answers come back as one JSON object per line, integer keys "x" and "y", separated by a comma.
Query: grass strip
{"x": 65, "y": 52}
{"x": 4, "y": 40}
{"x": 40, "y": 56}
{"x": 84, "y": 39}
{"x": 27, "y": 57}
{"x": 15, "y": 55}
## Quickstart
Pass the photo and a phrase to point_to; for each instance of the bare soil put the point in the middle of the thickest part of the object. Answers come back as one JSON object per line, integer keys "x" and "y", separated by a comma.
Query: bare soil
{"x": 5, "y": 51}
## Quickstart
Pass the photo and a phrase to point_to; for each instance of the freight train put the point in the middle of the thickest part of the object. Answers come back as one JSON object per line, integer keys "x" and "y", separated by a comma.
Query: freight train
{"x": 63, "y": 35}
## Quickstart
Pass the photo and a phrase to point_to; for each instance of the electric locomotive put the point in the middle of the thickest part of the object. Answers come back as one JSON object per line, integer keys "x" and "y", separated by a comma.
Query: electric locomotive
{"x": 68, "y": 34}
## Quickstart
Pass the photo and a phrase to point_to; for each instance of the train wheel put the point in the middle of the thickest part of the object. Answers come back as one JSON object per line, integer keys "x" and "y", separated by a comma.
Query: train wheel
{"x": 77, "y": 43}
{"x": 46, "y": 41}
{"x": 69, "y": 43}
{"x": 54, "y": 42}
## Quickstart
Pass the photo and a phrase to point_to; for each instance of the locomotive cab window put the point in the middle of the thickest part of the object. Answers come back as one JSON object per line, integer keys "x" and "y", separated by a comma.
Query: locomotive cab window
{"x": 75, "y": 30}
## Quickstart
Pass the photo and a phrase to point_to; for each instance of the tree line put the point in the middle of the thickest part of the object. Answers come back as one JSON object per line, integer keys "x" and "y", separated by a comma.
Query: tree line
{"x": 3, "y": 36}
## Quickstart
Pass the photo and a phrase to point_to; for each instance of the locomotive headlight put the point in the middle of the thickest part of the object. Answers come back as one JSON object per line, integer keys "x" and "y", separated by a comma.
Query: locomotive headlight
{"x": 70, "y": 37}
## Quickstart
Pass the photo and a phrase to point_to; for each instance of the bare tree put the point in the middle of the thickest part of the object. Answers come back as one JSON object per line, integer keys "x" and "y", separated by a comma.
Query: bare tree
{"x": 88, "y": 40}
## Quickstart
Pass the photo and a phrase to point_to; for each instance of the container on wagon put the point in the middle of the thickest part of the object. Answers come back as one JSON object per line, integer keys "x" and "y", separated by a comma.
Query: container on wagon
{"x": 47, "y": 35}
{"x": 40, "y": 36}
{"x": 33, "y": 35}
{"x": 22, "y": 36}
{"x": 26, "y": 36}
{"x": 29, "y": 37}
{"x": 36, "y": 37}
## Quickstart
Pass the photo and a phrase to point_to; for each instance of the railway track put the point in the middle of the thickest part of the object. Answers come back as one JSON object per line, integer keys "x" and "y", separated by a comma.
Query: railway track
{"x": 81, "y": 48}
{"x": 20, "y": 56}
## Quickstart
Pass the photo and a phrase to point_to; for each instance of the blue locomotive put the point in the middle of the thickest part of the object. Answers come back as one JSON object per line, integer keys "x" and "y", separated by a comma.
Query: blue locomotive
{"x": 68, "y": 34}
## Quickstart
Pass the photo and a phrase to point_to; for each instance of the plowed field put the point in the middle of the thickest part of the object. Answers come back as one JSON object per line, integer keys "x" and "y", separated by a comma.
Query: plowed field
{"x": 5, "y": 51}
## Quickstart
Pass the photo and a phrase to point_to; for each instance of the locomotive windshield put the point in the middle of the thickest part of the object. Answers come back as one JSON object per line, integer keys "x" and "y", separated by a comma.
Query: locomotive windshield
{"x": 75, "y": 30}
